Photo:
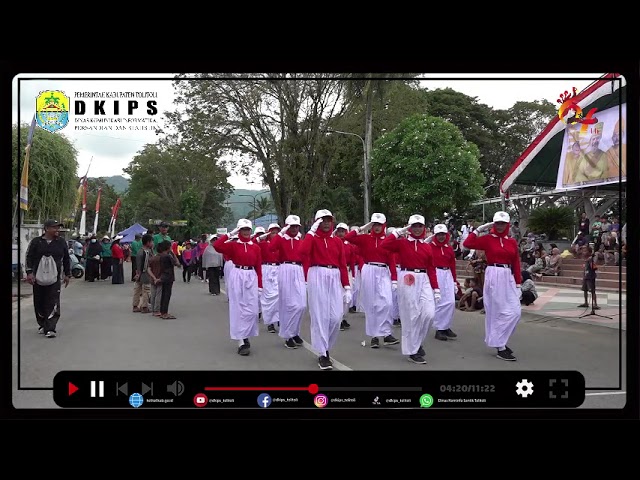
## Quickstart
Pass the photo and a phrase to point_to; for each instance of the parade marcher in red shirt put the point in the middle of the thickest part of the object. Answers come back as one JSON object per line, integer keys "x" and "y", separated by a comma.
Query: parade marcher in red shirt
{"x": 395, "y": 310}
{"x": 349, "y": 257}
{"x": 418, "y": 291}
{"x": 244, "y": 284}
{"x": 256, "y": 234}
{"x": 444, "y": 259}
{"x": 270, "y": 265}
{"x": 501, "y": 292}
{"x": 328, "y": 285}
{"x": 378, "y": 279}
{"x": 357, "y": 260}
{"x": 292, "y": 291}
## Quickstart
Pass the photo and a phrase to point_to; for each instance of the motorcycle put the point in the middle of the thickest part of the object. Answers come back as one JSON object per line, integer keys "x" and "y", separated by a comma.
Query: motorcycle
{"x": 77, "y": 269}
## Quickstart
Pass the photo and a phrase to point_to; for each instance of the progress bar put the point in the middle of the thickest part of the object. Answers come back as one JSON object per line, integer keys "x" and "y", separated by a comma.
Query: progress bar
{"x": 371, "y": 389}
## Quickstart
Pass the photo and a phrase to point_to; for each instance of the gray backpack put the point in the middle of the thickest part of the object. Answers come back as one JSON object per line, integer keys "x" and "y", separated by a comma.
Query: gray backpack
{"x": 47, "y": 273}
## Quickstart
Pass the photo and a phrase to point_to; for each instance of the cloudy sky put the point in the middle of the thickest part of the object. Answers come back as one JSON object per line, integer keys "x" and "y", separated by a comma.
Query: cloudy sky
{"x": 113, "y": 150}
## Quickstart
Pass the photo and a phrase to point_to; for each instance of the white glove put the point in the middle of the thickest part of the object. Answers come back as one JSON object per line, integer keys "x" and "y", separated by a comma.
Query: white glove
{"x": 284, "y": 230}
{"x": 400, "y": 232}
{"x": 259, "y": 291}
{"x": 436, "y": 295}
{"x": 346, "y": 297}
{"x": 263, "y": 237}
{"x": 485, "y": 227}
{"x": 314, "y": 227}
{"x": 97, "y": 257}
{"x": 519, "y": 291}
{"x": 365, "y": 228}
{"x": 234, "y": 232}
{"x": 394, "y": 284}
{"x": 429, "y": 238}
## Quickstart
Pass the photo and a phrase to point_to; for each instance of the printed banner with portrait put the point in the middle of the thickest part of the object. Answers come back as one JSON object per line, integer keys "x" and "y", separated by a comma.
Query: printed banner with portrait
{"x": 594, "y": 155}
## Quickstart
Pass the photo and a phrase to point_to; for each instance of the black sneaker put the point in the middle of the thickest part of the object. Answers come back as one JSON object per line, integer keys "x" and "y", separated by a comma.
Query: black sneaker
{"x": 289, "y": 343}
{"x": 329, "y": 358}
{"x": 352, "y": 309}
{"x": 449, "y": 333}
{"x": 244, "y": 350}
{"x": 396, "y": 322}
{"x": 324, "y": 363}
{"x": 298, "y": 340}
{"x": 440, "y": 335}
{"x": 259, "y": 316}
{"x": 41, "y": 331}
{"x": 390, "y": 340}
{"x": 421, "y": 352}
{"x": 51, "y": 334}
{"x": 375, "y": 342}
{"x": 505, "y": 355}
{"x": 271, "y": 328}
{"x": 246, "y": 342}
{"x": 344, "y": 325}
{"x": 584, "y": 305}
{"x": 507, "y": 349}
{"x": 419, "y": 359}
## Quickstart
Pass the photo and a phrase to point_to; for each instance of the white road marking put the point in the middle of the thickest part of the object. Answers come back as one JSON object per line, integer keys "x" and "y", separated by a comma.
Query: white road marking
{"x": 337, "y": 364}
{"x": 604, "y": 393}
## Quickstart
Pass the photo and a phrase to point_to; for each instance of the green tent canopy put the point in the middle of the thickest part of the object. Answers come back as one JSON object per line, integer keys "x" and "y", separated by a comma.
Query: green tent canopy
{"x": 538, "y": 165}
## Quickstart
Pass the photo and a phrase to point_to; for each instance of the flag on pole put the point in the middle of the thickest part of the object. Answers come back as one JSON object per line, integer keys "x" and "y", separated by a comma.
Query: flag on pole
{"x": 24, "y": 181}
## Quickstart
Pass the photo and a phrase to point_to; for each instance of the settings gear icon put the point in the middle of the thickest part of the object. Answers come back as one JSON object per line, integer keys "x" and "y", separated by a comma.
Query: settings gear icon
{"x": 524, "y": 388}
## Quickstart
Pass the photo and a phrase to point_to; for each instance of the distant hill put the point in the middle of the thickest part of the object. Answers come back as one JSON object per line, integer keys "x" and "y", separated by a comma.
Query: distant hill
{"x": 118, "y": 182}
{"x": 240, "y": 204}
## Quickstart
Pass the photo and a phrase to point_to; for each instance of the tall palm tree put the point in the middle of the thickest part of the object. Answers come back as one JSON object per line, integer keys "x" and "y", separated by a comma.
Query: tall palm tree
{"x": 264, "y": 206}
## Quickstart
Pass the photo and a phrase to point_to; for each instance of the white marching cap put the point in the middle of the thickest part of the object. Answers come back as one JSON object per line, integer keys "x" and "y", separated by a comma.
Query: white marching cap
{"x": 259, "y": 230}
{"x": 440, "y": 228}
{"x": 118, "y": 237}
{"x": 501, "y": 217}
{"x": 416, "y": 219}
{"x": 273, "y": 225}
{"x": 244, "y": 223}
{"x": 323, "y": 213}
{"x": 378, "y": 218}
{"x": 292, "y": 220}
{"x": 342, "y": 225}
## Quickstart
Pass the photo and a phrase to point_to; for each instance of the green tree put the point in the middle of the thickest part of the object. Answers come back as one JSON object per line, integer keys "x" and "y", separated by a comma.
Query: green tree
{"x": 400, "y": 100}
{"x": 170, "y": 180}
{"x": 264, "y": 206}
{"x": 53, "y": 169}
{"x": 273, "y": 121}
{"x": 425, "y": 166}
{"x": 556, "y": 222}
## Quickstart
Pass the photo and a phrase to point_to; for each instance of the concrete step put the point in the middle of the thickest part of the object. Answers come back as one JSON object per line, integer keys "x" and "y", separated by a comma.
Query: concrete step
{"x": 601, "y": 275}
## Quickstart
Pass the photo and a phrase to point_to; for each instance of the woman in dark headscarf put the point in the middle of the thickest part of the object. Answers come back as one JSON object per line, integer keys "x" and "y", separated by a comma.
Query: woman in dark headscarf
{"x": 93, "y": 255}
{"x": 528, "y": 288}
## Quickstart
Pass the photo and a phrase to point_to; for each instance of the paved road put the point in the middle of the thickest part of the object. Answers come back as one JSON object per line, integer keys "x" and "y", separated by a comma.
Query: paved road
{"x": 98, "y": 331}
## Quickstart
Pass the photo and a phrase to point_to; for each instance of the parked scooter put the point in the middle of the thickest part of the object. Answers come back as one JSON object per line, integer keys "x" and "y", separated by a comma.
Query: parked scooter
{"x": 77, "y": 269}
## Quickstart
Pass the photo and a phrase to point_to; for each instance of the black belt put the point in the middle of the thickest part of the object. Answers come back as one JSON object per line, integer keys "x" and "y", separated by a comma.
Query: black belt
{"x": 271, "y": 263}
{"x": 501, "y": 265}
{"x": 325, "y": 266}
{"x": 243, "y": 267}
{"x": 443, "y": 268}
{"x": 293, "y": 263}
{"x": 377, "y": 264}
{"x": 416, "y": 270}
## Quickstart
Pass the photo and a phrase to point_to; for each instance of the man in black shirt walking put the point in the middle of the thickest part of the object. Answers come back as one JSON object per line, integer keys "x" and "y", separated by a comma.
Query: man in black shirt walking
{"x": 46, "y": 298}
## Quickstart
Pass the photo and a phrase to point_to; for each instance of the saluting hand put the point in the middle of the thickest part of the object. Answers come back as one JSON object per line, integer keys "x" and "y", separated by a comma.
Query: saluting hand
{"x": 314, "y": 227}
{"x": 284, "y": 230}
{"x": 401, "y": 231}
{"x": 485, "y": 227}
{"x": 365, "y": 228}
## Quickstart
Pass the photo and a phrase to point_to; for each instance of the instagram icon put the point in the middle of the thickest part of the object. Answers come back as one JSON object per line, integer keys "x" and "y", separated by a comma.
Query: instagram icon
{"x": 320, "y": 401}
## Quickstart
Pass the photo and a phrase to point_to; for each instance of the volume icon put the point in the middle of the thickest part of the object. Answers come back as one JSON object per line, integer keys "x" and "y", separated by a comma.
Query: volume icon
{"x": 177, "y": 388}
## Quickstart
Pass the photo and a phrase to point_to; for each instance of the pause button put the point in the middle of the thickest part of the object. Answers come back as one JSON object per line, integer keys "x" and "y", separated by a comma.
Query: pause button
{"x": 100, "y": 388}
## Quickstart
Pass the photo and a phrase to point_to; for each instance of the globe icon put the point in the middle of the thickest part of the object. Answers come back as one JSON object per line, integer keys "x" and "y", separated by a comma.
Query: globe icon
{"x": 135, "y": 400}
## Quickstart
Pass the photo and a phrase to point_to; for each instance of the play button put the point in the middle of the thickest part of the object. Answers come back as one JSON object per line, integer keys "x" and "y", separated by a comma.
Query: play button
{"x": 72, "y": 389}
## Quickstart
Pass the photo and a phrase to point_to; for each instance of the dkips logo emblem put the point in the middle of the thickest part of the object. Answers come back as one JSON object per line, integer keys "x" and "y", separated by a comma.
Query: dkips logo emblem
{"x": 52, "y": 110}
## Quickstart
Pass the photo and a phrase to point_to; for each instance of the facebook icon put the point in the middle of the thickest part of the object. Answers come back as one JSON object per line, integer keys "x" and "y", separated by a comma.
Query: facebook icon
{"x": 264, "y": 400}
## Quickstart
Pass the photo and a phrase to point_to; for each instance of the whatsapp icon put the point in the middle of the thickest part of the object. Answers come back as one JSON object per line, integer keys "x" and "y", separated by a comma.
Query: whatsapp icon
{"x": 426, "y": 400}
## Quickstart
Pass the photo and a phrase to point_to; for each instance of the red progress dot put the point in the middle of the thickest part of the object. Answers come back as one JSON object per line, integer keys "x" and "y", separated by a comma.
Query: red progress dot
{"x": 313, "y": 389}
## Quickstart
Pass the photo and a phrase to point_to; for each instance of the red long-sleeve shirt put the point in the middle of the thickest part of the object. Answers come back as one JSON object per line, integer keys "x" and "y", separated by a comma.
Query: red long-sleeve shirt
{"x": 442, "y": 255}
{"x": 349, "y": 257}
{"x": 371, "y": 250}
{"x": 268, "y": 254}
{"x": 413, "y": 255}
{"x": 322, "y": 249}
{"x": 505, "y": 252}
{"x": 116, "y": 251}
{"x": 242, "y": 253}
{"x": 288, "y": 250}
